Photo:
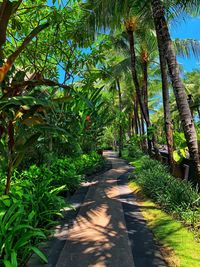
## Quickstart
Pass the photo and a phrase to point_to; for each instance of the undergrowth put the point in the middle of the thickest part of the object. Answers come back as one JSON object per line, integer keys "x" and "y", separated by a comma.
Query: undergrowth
{"x": 173, "y": 195}
{"x": 33, "y": 206}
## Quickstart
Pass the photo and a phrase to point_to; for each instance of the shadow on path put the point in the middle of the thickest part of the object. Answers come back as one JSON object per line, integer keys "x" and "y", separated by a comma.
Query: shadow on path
{"x": 145, "y": 251}
{"x": 109, "y": 229}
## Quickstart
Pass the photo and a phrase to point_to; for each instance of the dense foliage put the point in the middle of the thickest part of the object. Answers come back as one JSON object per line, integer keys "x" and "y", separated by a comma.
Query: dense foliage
{"x": 34, "y": 204}
{"x": 173, "y": 195}
{"x": 80, "y": 76}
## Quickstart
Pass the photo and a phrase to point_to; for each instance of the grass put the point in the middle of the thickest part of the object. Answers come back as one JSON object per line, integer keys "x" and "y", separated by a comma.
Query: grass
{"x": 179, "y": 247}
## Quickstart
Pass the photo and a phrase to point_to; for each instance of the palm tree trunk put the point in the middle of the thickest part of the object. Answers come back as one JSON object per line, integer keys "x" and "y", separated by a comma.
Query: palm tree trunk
{"x": 137, "y": 86}
{"x": 198, "y": 111}
{"x": 145, "y": 86}
{"x": 133, "y": 125}
{"x": 164, "y": 41}
{"x": 134, "y": 73}
{"x": 144, "y": 144}
{"x": 139, "y": 126}
{"x": 129, "y": 126}
{"x": 120, "y": 126}
{"x": 166, "y": 106}
{"x": 145, "y": 99}
{"x": 136, "y": 116}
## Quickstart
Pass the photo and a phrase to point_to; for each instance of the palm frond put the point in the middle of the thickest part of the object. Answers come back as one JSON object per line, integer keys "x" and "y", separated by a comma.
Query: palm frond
{"x": 187, "y": 47}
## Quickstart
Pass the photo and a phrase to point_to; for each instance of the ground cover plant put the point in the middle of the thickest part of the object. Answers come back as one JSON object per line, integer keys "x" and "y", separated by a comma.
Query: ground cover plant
{"x": 175, "y": 196}
{"x": 34, "y": 204}
{"x": 171, "y": 207}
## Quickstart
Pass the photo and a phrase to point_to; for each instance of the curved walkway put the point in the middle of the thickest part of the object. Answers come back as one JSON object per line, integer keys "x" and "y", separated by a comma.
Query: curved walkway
{"x": 109, "y": 229}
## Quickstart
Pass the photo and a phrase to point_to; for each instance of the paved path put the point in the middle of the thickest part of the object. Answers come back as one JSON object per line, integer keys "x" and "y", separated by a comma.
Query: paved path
{"x": 109, "y": 229}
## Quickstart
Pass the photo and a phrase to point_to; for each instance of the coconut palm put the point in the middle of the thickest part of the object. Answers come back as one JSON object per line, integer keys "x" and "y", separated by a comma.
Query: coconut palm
{"x": 108, "y": 13}
{"x": 166, "y": 47}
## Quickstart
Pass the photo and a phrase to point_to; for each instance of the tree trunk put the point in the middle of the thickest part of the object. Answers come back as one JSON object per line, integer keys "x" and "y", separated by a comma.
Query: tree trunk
{"x": 134, "y": 73}
{"x": 198, "y": 111}
{"x": 144, "y": 144}
{"x": 136, "y": 115}
{"x": 11, "y": 59}
{"x": 143, "y": 108}
{"x": 145, "y": 99}
{"x": 179, "y": 91}
{"x": 129, "y": 126}
{"x": 120, "y": 126}
{"x": 139, "y": 126}
{"x": 142, "y": 124}
{"x": 133, "y": 125}
{"x": 145, "y": 86}
{"x": 166, "y": 105}
{"x": 5, "y": 14}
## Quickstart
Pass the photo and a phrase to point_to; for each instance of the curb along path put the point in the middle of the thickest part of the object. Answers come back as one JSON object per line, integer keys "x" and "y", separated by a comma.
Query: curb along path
{"x": 109, "y": 229}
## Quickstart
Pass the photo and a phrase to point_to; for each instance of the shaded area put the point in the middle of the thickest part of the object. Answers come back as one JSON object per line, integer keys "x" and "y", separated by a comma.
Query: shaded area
{"x": 99, "y": 236}
{"x": 144, "y": 249}
{"x": 54, "y": 246}
{"x": 107, "y": 228}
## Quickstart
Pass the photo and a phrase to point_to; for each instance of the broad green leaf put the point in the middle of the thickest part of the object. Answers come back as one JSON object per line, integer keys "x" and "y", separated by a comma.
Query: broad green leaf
{"x": 176, "y": 156}
{"x": 183, "y": 153}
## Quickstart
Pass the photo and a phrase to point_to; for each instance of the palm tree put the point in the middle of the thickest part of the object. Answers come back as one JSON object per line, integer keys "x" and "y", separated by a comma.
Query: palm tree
{"x": 120, "y": 110}
{"x": 116, "y": 67}
{"x": 109, "y": 13}
{"x": 165, "y": 45}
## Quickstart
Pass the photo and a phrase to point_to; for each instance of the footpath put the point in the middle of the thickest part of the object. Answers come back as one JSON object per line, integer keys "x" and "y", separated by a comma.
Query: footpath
{"x": 109, "y": 229}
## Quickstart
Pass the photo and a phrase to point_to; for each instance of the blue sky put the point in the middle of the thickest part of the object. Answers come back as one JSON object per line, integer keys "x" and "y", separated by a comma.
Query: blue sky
{"x": 183, "y": 29}
{"x": 188, "y": 28}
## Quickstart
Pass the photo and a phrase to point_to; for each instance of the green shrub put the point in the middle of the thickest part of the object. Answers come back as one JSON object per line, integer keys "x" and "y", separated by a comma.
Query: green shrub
{"x": 132, "y": 151}
{"x": 30, "y": 208}
{"x": 18, "y": 237}
{"x": 88, "y": 163}
{"x": 64, "y": 173}
{"x": 175, "y": 196}
{"x": 34, "y": 204}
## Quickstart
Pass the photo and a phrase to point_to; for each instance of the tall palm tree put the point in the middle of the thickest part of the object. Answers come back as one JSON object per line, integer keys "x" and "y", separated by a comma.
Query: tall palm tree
{"x": 120, "y": 110}
{"x": 165, "y": 45}
{"x": 112, "y": 12}
{"x": 116, "y": 67}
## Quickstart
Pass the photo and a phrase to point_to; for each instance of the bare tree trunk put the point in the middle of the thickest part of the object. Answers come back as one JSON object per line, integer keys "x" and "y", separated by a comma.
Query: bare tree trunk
{"x": 166, "y": 105}
{"x": 129, "y": 126}
{"x": 120, "y": 126}
{"x": 134, "y": 73}
{"x": 143, "y": 108}
{"x": 136, "y": 115}
{"x": 5, "y": 13}
{"x": 139, "y": 125}
{"x": 179, "y": 91}
{"x": 198, "y": 111}
{"x": 133, "y": 125}
{"x": 144, "y": 144}
{"x": 145, "y": 99}
{"x": 142, "y": 124}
